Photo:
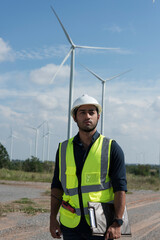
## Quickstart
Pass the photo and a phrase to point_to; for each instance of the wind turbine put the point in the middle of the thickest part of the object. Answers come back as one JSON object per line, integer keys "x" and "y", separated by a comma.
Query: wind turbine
{"x": 48, "y": 143}
{"x": 44, "y": 143}
{"x": 36, "y": 129}
{"x": 103, "y": 92}
{"x": 72, "y": 53}
{"x": 12, "y": 136}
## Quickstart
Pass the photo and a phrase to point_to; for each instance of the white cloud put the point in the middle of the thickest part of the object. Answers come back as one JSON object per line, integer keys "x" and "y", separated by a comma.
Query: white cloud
{"x": 7, "y": 112}
{"x": 156, "y": 104}
{"x": 45, "y": 74}
{"x": 48, "y": 102}
{"x": 114, "y": 28}
{"x": 9, "y": 54}
{"x": 41, "y": 53}
{"x": 16, "y": 94}
{"x": 5, "y": 51}
{"x": 128, "y": 116}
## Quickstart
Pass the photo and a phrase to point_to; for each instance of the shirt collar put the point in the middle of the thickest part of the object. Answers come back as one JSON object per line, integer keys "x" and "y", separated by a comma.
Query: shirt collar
{"x": 94, "y": 138}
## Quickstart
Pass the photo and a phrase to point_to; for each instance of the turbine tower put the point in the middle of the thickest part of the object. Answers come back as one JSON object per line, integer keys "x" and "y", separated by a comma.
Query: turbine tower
{"x": 103, "y": 92}
{"x": 43, "y": 147}
{"x": 72, "y": 53}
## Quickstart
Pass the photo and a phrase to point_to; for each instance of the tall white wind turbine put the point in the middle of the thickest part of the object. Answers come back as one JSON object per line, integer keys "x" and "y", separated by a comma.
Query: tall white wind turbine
{"x": 72, "y": 53}
{"x": 103, "y": 92}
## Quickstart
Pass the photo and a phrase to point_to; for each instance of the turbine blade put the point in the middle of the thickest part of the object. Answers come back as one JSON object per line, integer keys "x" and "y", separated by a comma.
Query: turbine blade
{"x": 101, "y": 79}
{"x": 65, "y": 32}
{"x": 102, "y": 48}
{"x": 64, "y": 60}
{"x": 41, "y": 124}
{"x": 31, "y": 127}
{"x": 118, "y": 75}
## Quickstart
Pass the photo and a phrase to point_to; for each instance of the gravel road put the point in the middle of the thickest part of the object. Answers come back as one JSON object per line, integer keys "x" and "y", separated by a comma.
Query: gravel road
{"x": 11, "y": 193}
{"x": 143, "y": 210}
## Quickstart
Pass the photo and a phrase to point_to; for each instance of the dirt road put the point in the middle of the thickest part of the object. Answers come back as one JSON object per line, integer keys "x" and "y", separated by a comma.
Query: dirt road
{"x": 143, "y": 210}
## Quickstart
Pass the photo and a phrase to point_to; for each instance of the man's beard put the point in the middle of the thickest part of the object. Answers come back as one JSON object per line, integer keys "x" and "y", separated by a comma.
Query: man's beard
{"x": 87, "y": 129}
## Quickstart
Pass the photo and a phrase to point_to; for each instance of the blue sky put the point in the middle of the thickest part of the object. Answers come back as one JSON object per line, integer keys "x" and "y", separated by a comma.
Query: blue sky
{"x": 33, "y": 45}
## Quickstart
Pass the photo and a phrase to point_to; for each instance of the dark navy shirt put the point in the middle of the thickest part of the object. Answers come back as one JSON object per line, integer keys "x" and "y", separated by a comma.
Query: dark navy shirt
{"x": 117, "y": 171}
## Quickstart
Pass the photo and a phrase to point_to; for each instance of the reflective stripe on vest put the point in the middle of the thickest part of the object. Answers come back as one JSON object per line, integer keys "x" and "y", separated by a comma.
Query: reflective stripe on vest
{"x": 104, "y": 168}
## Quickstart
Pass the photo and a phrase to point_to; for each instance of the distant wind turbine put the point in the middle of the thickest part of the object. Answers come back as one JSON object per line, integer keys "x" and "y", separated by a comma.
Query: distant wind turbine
{"x": 44, "y": 144}
{"x": 48, "y": 143}
{"x": 36, "y": 129}
{"x": 103, "y": 92}
{"x": 72, "y": 53}
{"x": 12, "y": 136}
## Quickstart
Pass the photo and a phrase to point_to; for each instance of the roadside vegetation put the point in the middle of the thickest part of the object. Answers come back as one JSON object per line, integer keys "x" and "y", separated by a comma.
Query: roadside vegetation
{"x": 139, "y": 177}
{"x": 32, "y": 169}
{"x": 138, "y": 182}
{"x": 135, "y": 181}
{"x": 19, "y": 175}
{"x": 25, "y": 205}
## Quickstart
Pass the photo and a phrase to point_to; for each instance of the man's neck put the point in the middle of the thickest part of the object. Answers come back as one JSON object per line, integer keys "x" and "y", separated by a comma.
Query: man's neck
{"x": 86, "y": 137}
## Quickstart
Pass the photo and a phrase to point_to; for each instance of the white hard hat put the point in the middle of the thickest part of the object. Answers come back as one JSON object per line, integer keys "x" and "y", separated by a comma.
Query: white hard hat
{"x": 85, "y": 100}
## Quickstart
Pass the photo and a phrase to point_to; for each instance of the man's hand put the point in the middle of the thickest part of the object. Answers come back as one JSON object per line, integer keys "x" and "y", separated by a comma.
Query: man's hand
{"x": 113, "y": 232}
{"x": 56, "y": 196}
{"x": 55, "y": 227}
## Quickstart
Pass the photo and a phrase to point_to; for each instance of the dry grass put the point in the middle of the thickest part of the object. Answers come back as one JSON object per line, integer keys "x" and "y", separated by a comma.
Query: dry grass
{"x": 16, "y": 175}
{"x": 145, "y": 183}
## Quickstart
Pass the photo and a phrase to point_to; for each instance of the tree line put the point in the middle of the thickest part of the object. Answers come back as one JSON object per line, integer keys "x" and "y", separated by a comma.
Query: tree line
{"x": 32, "y": 164}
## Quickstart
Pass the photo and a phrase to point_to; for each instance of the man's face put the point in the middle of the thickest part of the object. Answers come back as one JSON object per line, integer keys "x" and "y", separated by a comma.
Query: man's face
{"x": 87, "y": 118}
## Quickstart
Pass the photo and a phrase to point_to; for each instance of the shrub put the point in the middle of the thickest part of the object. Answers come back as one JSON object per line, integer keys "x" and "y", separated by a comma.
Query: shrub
{"x": 48, "y": 166}
{"x": 32, "y": 165}
{"x": 142, "y": 170}
{"x": 4, "y": 157}
{"x": 15, "y": 165}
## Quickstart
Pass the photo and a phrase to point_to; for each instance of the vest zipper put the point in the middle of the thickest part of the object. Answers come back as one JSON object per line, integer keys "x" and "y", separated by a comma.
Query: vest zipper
{"x": 79, "y": 183}
{"x": 80, "y": 195}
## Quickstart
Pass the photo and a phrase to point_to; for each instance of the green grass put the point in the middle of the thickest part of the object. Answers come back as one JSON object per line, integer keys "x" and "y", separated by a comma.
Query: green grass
{"x": 33, "y": 210}
{"x": 15, "y": 175}
{"x": 24, "y": 201}
{"x": 133, "y": 181}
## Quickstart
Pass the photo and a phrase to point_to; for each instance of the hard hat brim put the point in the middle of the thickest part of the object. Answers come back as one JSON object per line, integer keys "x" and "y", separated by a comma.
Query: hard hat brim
{"x": 98, "y": 106}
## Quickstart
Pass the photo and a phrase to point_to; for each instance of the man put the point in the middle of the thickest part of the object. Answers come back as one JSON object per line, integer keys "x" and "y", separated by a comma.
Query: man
{"x": 89, "y": 167}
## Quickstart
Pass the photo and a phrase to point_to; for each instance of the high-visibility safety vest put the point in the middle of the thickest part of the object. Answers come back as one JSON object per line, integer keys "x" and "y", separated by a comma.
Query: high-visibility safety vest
{"x": 95, "y": 182}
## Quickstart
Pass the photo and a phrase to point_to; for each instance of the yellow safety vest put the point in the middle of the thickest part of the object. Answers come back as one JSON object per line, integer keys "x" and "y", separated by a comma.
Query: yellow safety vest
{"x": 95, "y": 182}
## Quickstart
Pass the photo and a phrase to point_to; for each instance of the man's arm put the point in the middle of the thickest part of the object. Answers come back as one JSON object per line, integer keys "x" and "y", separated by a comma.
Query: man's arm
{"x": 56, "y": 196}
{"x": 114, "y": 231}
